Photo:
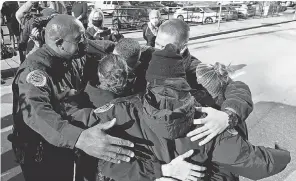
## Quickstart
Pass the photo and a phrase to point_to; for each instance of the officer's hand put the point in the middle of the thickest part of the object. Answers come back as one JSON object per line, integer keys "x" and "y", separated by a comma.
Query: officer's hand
{"x": 72, "y": 92}
{"x": 95, "y": 142}
{"x": 179, "y": 169}
{"x": 213, "y": 124}
{"x": 35, "y": 32}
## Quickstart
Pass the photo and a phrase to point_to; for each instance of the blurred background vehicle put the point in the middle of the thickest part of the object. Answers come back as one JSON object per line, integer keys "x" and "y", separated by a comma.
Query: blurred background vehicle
{"x": 151, "y": 5}
{"x": 196, "y": 14}
{"x": 130, "y": 17}
{"x": 227, "y": 12}
{"x": 173, "y": 6}
{"x": 108, "y": 7}
{"x": 244, "y": 10}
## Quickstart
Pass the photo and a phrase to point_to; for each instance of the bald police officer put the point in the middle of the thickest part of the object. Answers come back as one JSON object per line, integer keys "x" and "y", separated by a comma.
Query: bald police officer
{"x": 43, "y": 137}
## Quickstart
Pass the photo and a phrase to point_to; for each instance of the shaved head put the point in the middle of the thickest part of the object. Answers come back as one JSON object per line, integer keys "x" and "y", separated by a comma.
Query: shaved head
{"x": 66, "y": 36}
{"x": 173, "y": 31}
{"x": 61, "y": 26}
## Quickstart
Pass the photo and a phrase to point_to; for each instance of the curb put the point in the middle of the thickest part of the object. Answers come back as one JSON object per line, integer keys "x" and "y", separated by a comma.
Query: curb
{"x": 237, "y": 30}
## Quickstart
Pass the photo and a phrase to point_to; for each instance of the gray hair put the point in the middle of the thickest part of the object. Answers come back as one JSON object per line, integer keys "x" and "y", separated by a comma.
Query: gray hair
{"x": 113, "y": 74}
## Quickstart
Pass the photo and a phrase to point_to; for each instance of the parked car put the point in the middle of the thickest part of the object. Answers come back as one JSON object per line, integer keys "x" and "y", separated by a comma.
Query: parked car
{"x": 154, "y": 5}
{"x": 130, "y": 17}
{"x": 108, "y": 7}
{"x": 227, "y": 12}
{"x": 244, "y": 10}
{"x": 172, "y": 5}
{"x": 196, "y": 14}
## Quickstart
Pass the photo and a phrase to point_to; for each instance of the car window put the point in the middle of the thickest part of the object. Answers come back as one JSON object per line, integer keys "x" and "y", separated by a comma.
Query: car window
{"x": 207, "y": 10}
{"x": 232, "y": 8}
{"x": 198, "y": 10}
{"x": 215, "y": 8}
{"x": 224, "y": 9}
{"x": 158, "y": 4}
{"x": 189, "y": 9}
{"x": 115, "y": 3}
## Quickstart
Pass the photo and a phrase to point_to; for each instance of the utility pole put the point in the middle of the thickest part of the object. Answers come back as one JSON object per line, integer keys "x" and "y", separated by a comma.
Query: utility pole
{"x": 219, "y": 16}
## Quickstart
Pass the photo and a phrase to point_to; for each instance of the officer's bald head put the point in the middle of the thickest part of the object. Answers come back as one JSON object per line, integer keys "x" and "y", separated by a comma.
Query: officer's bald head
{"x": 172, "y": 31}
{"x": 61, "y": 26}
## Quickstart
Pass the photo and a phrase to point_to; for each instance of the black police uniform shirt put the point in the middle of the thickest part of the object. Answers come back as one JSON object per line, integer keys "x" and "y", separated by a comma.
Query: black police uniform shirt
{"x": 158, "y": 139}
{"x": 37, "y": 87}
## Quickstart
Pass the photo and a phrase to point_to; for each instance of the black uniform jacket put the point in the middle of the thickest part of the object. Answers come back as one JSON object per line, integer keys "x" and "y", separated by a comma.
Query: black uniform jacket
{"x": 157, "y": 123}
{"x": 238, "y": 95}
{"x": 41, "y": 81}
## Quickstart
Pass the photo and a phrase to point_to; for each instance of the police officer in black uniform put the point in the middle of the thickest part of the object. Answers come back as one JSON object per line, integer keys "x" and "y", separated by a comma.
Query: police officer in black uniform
{"x": 158, "y": 120}
{"x": 43, "y": 138}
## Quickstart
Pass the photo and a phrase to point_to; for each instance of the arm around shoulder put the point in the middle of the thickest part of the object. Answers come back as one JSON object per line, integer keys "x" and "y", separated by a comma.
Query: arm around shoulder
{"x": 240, "y": 157}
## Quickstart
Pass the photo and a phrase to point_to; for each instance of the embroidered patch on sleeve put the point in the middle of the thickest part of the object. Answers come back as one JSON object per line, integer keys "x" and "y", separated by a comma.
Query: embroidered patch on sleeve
{"x": 37, "y": 78}
{"x": 103, "y": 108}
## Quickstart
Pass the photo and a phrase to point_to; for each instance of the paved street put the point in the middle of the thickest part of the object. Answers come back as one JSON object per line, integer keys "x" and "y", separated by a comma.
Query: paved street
{"x": 270, "y": 60}
{"x": 269, "y": 56}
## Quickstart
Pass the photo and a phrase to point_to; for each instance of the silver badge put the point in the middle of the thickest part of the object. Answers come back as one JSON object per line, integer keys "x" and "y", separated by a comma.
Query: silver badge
{"x": 37, "y": 78}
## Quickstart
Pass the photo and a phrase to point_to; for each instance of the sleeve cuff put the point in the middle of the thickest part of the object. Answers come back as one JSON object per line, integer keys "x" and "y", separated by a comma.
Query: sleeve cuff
{"x": 157, "y": 170}
{"x": 69, "y": 136}
{"x": 231, "y": 107}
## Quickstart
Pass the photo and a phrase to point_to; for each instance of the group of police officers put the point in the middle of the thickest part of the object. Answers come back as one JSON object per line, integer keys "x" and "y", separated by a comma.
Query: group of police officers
{"x": 153, "y": 133}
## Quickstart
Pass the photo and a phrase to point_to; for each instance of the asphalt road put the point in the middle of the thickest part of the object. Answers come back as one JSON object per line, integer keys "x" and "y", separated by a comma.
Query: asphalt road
{"x": 269, "y": 55}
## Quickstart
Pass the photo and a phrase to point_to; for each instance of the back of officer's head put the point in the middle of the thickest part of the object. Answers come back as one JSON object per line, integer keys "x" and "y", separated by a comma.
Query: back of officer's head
{"x": 112, "y": 73}
{"x": 63, "y": 34}
{"x": 174, "y": 32}
{"x": 129, "y": 50}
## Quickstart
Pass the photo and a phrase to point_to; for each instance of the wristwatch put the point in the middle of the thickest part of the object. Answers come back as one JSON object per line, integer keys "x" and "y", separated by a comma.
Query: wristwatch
{"x": 232, "y": 119}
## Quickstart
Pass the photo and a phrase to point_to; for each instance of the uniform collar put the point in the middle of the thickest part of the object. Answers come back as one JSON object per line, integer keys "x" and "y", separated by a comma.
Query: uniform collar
{"x": 55, "y": 59}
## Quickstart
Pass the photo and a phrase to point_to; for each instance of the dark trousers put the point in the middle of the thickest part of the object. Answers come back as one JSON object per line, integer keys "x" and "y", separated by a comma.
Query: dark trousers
{"x": 56, "y": 165}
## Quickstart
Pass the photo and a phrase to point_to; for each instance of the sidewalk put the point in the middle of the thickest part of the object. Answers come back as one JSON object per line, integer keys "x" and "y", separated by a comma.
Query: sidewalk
{"x": 9, "y": 66}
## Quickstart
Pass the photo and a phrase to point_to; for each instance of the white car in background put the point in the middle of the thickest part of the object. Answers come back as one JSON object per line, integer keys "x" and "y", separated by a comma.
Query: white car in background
{"x": 196, "y": 14}
{"x": 108, "y": 7}
{"x": 244, "y": 10}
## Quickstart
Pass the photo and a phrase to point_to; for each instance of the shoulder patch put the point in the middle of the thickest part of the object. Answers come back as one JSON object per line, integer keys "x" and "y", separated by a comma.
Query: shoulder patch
{"x": 37, "y": 78}
{"x": 104, "y": 108}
